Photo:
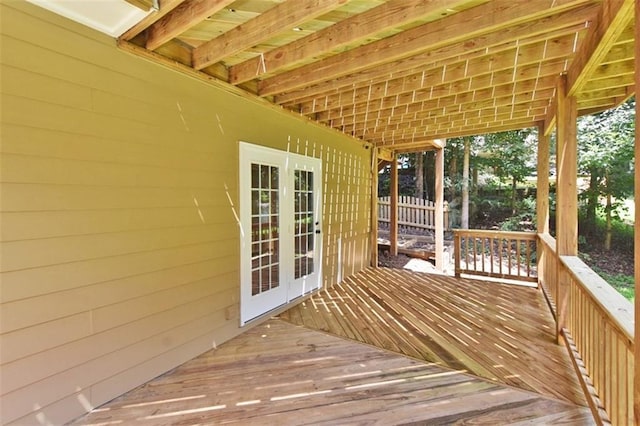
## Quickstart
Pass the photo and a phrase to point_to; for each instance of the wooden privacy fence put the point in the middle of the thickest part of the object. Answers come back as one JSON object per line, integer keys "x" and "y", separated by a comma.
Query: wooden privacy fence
{"x": 497, "y": 254}
{"x": 413, "y": 212}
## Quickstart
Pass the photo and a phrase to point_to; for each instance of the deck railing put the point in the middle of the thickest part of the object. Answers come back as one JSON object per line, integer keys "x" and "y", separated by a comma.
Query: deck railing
{"x": 600, "y": 323}
{"x": 497, "y": 254}
{"x": 547, "y": 269}
{"x": 413, "y": 212}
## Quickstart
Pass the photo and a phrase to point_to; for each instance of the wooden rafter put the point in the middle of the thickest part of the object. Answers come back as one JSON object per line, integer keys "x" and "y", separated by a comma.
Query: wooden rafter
{"x": 484, "y": 48}
{"x": 611, "y": 22}
{"x": 411, "y": 42}
{"x": 166, "y": 6}
{"x": 352, "y": 30}
{"x": 286, "y": 15}
{"x": 403, "y": 71}
{"x": 183, "y": 17}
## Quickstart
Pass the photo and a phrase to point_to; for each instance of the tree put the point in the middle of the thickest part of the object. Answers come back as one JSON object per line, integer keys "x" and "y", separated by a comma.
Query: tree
{"x": 512, "y": 156}
{"x": 605, "y": 154}
{"x": 419, "y": 166}
{"x": 464, "y": 215}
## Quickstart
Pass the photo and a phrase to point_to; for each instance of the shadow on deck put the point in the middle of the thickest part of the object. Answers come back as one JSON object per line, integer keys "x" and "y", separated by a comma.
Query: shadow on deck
{"x": 283, "y": 374}
{"x": 500, "y": 332}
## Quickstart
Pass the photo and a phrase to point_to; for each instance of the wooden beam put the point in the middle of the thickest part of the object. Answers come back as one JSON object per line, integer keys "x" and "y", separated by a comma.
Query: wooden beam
{"x": 374, "y": 207}
{"x": 444, "y": 32}
{"x": 386, "y": 141}
{"x": 384, "y": 154}
{"x": 477, "y": 48}
{"x": 388, "y": 15}
{"x": 636, "y": 251}
{"x": 285, "y": 16}
{"x": 542, "y": 195}
{"x": 166, "y": 6}
{"x": 439, "y": 208}
{"x": 610, "y": 23}
{"x": 566, "y": 195}
{"x": 393, "y": 216}
{"x": 183, "y": 17}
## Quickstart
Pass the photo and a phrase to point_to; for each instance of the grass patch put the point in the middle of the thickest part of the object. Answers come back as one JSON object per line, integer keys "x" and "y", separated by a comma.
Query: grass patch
{"x": 622, "y": 283}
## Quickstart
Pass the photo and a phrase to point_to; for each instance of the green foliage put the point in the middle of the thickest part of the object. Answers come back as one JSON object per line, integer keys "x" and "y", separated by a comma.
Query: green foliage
{"x": 624, "y": 284}
{"x": 524, "y": 218}
{"x": 605, "y": 154}
{"x": 511, "y": 154}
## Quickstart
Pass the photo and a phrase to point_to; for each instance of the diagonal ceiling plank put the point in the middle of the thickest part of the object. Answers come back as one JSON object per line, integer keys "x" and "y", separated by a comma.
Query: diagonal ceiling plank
{"x": 284, "y": 16}
{"x": 612, "y": 21}
{"x": 463, "y": 25}
{"x": 492, "y": 43}
{"x": 386, "y": 16}
{"x": 183, "y": 17}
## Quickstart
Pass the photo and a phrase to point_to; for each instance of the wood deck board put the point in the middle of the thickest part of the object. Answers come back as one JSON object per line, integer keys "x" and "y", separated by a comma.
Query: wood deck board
{"x": 278, "y": 373}
{"x": 500, "y": 332}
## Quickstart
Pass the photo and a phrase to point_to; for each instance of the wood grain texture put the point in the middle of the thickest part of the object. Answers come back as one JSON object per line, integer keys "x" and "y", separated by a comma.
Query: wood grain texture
{"x": 499, "y": 332}
{"x": 278, "y": 374}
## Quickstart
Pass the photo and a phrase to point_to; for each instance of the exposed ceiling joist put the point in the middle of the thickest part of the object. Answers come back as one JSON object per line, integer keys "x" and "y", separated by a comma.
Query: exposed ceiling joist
{"x": 611, "y": 22}
{"x": 402, "y": 72}
{"x": 183, "y": 17}
{"x": 349, "y": 31}
{"x": 261, "y": 28}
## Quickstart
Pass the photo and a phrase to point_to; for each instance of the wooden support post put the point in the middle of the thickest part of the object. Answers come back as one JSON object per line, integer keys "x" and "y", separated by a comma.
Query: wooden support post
{"x": 393, "y": 216}
{"x": 542, "y": 196}
{"x": 566, "y": 195}
{"x": 439, "y": 208}
{"x": 374, "y": 207}
{"x": 542, "y": 184}
{"x": 636, "y": 252}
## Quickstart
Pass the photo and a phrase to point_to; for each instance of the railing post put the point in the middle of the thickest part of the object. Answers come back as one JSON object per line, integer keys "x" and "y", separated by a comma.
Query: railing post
{"x": 567, "y": 196}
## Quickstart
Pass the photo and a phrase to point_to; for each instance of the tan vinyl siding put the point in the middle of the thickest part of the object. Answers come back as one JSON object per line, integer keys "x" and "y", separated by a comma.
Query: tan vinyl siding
{"x": 119, "y": 194}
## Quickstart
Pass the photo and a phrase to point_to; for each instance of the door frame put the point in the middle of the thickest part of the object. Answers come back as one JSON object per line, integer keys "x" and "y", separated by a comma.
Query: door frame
{"x": 249, "y": 152}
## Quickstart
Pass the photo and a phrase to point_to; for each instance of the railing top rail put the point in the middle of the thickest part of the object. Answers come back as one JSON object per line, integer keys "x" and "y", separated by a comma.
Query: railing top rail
{"x": 613, "y": 304}
{"x": 548, "y": 240}
{"x": 488, "y": 233}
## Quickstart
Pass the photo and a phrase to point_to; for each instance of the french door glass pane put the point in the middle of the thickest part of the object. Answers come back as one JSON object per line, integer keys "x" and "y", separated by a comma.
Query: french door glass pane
{"x": 304, "y": 224}
{"x": 265, "y": 228}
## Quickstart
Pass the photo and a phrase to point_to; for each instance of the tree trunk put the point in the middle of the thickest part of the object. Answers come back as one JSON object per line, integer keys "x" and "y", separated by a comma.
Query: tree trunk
{"x": 514, "y": 195}
{"x": 420, "y": 175}
{"x": 464, "y": 214}
{"x": 453, "y": 172}
{"x": 607, "y": 238}
{"x": 592, "y": 202}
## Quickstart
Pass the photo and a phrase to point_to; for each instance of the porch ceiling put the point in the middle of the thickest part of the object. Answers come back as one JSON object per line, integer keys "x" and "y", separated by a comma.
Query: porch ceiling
{"x": 401, "y": 73}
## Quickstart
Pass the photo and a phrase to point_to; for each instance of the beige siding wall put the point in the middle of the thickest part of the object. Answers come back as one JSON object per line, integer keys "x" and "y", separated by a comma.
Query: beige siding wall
{"x": 120, "y": 248}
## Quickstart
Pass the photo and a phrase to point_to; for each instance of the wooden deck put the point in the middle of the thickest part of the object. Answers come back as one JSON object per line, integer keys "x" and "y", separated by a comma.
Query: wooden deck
{"x": 504, "y": 333}
{"x": 282, "y": 374}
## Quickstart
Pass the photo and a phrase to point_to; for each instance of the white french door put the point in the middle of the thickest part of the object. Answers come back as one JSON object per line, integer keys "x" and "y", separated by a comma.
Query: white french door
{"x": 280, "y": 241}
